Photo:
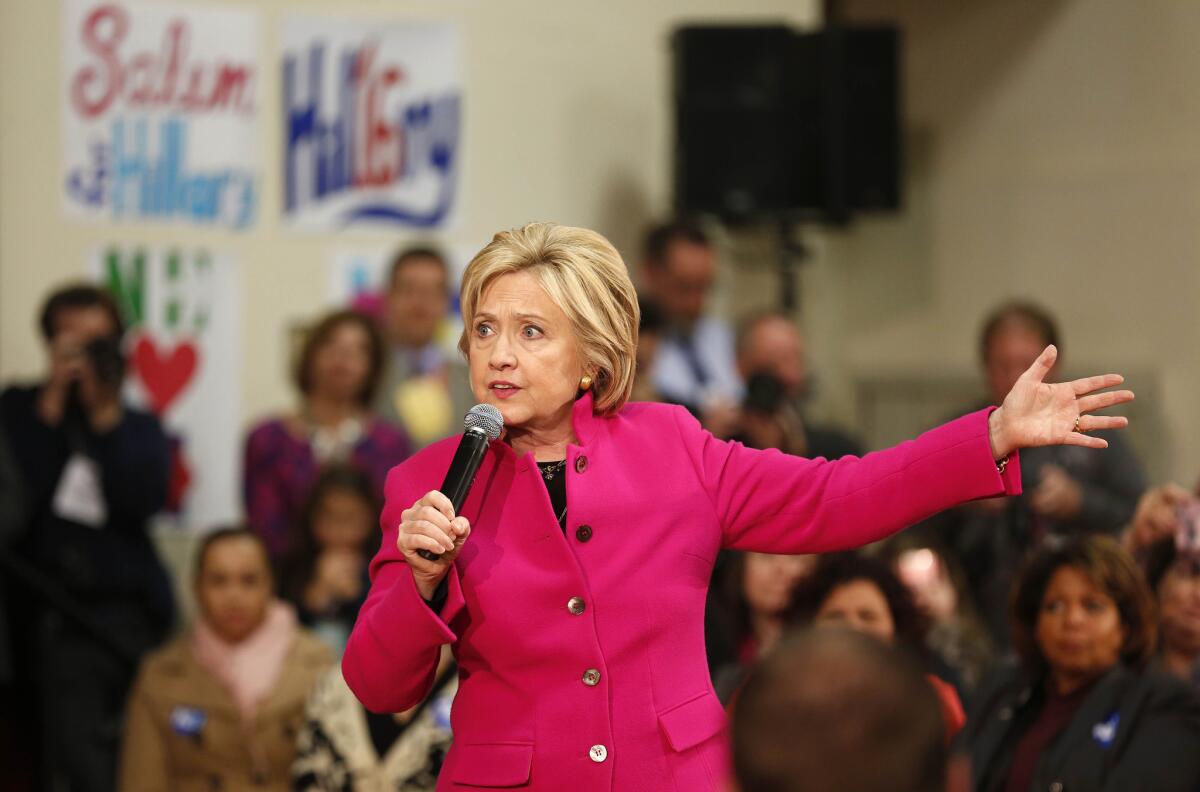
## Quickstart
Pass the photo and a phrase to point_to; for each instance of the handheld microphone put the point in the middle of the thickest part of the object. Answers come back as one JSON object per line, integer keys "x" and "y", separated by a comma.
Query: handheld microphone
{"x": 481, "y": 425}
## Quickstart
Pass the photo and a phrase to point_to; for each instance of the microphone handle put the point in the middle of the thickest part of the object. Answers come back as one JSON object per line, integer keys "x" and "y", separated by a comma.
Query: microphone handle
{"x": 461, "y": 474}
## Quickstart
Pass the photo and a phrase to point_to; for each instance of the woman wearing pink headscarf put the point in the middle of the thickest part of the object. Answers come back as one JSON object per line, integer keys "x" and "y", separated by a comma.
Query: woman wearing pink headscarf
{"x": 220, "y": 707}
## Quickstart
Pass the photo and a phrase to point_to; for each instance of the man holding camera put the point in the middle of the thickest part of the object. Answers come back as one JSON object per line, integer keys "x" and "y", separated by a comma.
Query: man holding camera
{"x": 772, "y": 361}
{"x": 88, "y": 591}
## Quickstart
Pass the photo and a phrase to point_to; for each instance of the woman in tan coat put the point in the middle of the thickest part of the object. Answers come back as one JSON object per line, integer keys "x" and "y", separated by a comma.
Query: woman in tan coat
{"x": 220, "y": 707}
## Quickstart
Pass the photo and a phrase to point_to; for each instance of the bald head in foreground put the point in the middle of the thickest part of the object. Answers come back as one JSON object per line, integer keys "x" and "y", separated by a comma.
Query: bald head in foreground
{"x": 835, "y": 711}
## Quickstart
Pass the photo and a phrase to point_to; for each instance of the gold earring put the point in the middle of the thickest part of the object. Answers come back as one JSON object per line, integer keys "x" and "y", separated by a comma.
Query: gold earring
{"x": 585, "y": 383}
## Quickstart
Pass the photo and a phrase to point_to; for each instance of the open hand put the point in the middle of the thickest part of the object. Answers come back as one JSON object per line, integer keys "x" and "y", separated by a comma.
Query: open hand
{"x": 1037, "y": 413}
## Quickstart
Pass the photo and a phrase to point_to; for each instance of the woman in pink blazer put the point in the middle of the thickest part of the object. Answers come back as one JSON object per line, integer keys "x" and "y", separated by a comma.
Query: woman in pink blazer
{"x": 572, "y": 583}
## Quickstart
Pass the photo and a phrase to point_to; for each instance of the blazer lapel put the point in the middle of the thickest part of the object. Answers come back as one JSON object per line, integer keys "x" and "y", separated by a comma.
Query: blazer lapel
{"x": 1087, "y": 741}
{"x": 994, "y": 736}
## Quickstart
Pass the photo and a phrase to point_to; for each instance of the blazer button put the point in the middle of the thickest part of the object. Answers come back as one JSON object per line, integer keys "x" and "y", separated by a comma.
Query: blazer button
{"x": 575, "y": 605}
{"x": 583, "y": 533}
{"x": 591, "y": 677}
{"x": 598, "y": 753}
{"x": 580, "y": 466}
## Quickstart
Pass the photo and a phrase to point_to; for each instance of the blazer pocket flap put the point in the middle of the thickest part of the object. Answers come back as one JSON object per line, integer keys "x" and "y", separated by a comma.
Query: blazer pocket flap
{"x": 692, "y": 722}
{"x": 494, "y": 765}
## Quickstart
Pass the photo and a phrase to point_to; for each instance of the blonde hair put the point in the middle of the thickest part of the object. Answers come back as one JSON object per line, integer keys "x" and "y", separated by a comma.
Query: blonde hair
{"x": 584, "y": 275}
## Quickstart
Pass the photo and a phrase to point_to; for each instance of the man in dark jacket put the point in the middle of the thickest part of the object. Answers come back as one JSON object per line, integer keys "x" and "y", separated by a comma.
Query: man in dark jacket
{"x": 772, "y": 360}
{"x": 1067, "y": 490}
{"x": 92, "y": 595}
{"x": 13, "y": 755}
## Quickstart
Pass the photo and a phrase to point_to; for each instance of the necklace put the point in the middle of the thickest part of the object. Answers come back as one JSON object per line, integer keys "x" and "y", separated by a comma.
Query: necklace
{"x": 551, "y": 468}
{"x": 548, "y": 471}
{"x": 334, "y": 443}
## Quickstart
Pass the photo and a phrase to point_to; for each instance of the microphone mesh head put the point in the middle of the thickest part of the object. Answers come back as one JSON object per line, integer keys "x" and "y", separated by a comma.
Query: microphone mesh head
{"x": 485, "y": 417}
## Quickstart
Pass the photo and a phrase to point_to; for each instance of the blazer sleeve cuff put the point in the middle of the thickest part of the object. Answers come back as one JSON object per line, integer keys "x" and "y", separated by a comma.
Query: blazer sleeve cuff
{"x": 1009, "y": 482}
{"x": 410, "y": 621}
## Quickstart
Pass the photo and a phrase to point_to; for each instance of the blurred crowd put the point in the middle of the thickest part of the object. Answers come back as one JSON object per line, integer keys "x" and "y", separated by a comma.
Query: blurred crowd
{"x": 1049, "y": 641}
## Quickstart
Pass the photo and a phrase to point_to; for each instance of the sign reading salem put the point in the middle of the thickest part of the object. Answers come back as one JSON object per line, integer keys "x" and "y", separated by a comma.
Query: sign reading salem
{"x": 371, "y": 123}
{"x": 159, "y": 112}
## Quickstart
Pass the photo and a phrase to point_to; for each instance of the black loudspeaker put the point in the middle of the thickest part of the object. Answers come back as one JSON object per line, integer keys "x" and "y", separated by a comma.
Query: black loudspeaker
{"x": 735, "y": 118}
{"x": 771, "y": 122}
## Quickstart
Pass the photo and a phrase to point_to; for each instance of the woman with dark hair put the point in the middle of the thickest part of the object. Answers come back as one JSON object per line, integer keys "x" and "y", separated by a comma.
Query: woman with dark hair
{"x": 342, "y": 746}
{"x": 1081, "y": 712}
{"x": 220, "y": 706}
{"x": 747, "y": 612}
{"x": 863, "y": 593}
{"x": 324, "y": 574}
{"x": 846, "y": 588}
{"x": 1174, "y": 578}
{"x": 337, "y": 374}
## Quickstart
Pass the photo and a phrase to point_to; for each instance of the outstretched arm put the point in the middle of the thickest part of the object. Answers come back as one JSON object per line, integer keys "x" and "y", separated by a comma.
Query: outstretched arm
{"x": 772, "y": 502}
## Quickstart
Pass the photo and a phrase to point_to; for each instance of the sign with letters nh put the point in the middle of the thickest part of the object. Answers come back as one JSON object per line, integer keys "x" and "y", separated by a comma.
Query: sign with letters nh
{"x": 182, "y": 309}
{"x": 159, "y": 109}
{"x": 371, "y": 123}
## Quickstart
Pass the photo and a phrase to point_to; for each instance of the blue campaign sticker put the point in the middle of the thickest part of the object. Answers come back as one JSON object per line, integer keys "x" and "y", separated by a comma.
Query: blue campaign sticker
{"x": 1105, "y": 731}
{"x": 441, "y": 711}
{"x": 187, "y": 721}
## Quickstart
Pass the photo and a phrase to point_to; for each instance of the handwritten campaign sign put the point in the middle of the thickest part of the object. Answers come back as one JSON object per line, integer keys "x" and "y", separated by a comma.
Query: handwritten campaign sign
{"x": 159, "y": 113}
{"x": 371, "y": 123}
{"x": 182, "y": 308}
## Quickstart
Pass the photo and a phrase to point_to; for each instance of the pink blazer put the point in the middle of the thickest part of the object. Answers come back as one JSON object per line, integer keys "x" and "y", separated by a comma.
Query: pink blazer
{"x": 581, "y": 657}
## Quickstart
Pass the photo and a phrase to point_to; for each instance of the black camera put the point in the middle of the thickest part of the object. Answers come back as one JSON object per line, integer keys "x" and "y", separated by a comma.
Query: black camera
{"x": 765, "y": 394}
{"x": 105, "y": 357}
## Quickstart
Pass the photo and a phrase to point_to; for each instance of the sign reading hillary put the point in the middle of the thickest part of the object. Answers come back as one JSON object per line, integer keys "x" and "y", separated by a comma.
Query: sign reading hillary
{"x": 371, "y": 123}
{"x": 159, "y": 112}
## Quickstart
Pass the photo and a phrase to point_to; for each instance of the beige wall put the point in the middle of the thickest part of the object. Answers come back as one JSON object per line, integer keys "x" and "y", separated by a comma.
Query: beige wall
{"x": 1053, "y": 153}
{"x": 567, "y": 118}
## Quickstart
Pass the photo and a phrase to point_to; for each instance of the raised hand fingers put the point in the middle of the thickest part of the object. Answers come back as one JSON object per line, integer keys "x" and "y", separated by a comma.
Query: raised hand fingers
{"x": 1041, "y": 367}
{"x": 1090, "y": 423}
{"x": 1089, "y": 384}
{"x": 1099, "y": 401}
{"x": 1087, "y": 441}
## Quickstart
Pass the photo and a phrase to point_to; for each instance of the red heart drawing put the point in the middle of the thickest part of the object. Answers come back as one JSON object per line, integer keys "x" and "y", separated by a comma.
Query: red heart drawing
{"x": 164, "y": 376}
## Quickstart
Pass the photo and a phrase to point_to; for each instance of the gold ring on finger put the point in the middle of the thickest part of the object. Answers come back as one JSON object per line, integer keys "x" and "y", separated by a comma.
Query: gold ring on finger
{"x": 1076, "y": 429}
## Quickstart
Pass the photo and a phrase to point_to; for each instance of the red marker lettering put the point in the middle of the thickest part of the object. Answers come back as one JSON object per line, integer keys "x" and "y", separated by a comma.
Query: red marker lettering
{"x": 94, "y": 87}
